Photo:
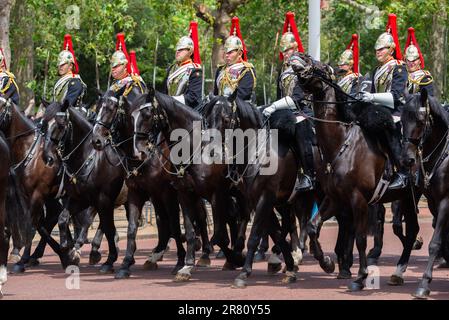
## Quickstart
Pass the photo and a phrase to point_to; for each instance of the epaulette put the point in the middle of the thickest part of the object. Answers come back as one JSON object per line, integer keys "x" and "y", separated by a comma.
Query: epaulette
{"x": 196, "y": 65}
{"x": 427, "y": 73}
{"x": 248, "y": 65}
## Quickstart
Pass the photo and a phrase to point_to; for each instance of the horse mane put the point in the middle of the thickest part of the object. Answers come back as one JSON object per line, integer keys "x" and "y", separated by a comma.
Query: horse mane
{"x": 413, "y": 102}
{"x": 248, "y": 112}
{"x": 438, "y": 110}
{"x": 51, "y": 111}
{"x": 80, "y": 120}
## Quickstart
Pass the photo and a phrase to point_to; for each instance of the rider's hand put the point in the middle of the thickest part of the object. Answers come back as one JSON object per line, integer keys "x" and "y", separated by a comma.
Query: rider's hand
{"x": 366, "y": 97}
{"x": 269, "y": 110}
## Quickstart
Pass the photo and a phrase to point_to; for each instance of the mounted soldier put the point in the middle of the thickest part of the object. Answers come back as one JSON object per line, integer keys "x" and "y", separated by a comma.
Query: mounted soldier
{"x": 348, "y": 67}
{"x": 184, "y": 77}
{"x": 389, "y": 82}
{"x": 70, "y": 86}
{"x": 8, "y": 85}
{"x": 418, "y": 78}
{"x": 124, "y": 71}
{"x": 291, "y": 96}
{"x": 237, "y": 74}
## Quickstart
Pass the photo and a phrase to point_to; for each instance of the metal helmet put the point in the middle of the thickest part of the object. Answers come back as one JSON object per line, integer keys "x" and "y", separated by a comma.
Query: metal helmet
{"x": 385, "y": 40}
{"x": 118, "y": 58}
{"x": 288, "y": 41}
{"x": 347, "y": 57}
{"x": 185, "y": 43}
{"x": 233, "y": 43}
{"x": 412, "y": 53}
{"x": 64, "y": 57}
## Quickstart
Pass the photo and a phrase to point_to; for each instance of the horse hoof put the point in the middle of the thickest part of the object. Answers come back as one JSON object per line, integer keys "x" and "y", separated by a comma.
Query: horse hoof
{"x": 228, "y": 266}
{"x": 344, "y": 274}
{"x": 421, "y": 293}
{"x": 372, "y": 261}
{"x": 295, "y": 268}
{"x": 418, "y": 243}
{"x": 18, "y": 268}
{"x": 220, "y": 255}
{"x": 33, "y": 262}
{"x": 123, "y": 274}
{"x": 260, "y": 256}
{"x": 106, "y": 268}
{"x": 239, "y": 284}
{"x": 289, "y": 278}
{"x": 148, "y": 265}
{"x": 355, "y": 286}
{"x": 274, "y": 268}
{"x": 14, "y": 258}
{"x": 327, "y": 265}
{"x": 198, "y": 244}
{"x": 94, "y": 257}
{"x": 443, "y": 265}
{"x": 396, "y": 280}
{"x": 203, "y": 262}
{"x": 176, "y": 269}
{"x": 182, "y": 277}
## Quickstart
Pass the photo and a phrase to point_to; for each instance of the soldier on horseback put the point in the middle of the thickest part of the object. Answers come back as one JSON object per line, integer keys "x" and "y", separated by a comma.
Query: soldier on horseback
{"x": 70, "y": 86}
{"x": 389, "y": 81}
{"x": 348, "y": 66}
{"x": 237, "y": 74}
{"x": 183, "y": 80}
{"x": 291, "y": 96}
{"x": 8, "y": 85}
{"x": 124, "y": 70}
{"x": 418, "y": 78}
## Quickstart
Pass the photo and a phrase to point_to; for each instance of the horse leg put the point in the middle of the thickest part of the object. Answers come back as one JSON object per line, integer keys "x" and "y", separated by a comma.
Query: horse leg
{"x": 204, "y": 260}
{"x": 344, "y": 245}
{"x": 84, "y": 221}
{"x": 359, "y": 208}
{"x": 397, "y": 221}
{"x": 106, "y": 213}
{"x": 411, "y": 231}
{"x": 187, "y": 201}
{"x": 262, "y": 249}
{"x": 133, "y": 209}
{"x": 435, "y": 247}
{"x": 280, "y": 234}
{"x": 163, "y": 231}
{"x": 4, "y": 241}
{"x": 261, "y": 223}
{"x": 313, "y": 229}
{"x": 379, "y": 211}
{"x": 172, "y": 211}
{"x": 95, "y": 255}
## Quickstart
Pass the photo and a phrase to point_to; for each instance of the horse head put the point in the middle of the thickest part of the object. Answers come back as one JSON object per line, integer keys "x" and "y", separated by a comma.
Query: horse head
{"x": 110, "y": 108}
{"x": 56, "y": 126}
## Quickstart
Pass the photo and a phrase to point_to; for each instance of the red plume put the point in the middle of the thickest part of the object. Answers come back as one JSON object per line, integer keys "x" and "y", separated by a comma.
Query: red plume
{"x": 196, "y": 44}
{"x": 121, "y": 46}
{"x": 290, "y": 23}
{"x": 4, "y": 59}
{"x": 393, "y": 30}
{"x": 68, "y": 45}
{"x": 133, "y": 63}
{"x": 354, "y": 46}
{"x": 235, "y": 27}
{"x": 411, "y": 39}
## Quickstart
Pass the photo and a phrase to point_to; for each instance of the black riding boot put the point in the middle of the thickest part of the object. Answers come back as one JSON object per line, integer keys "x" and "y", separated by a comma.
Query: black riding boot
{"x": 304, "y": 182}
{"x": 401, "y": 177}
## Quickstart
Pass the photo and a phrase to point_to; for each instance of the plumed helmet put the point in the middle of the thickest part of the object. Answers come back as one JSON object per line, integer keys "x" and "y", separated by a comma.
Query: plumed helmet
{"x": 385, "y": 40}
{"x": 411, "y": 53}
{"x": 118, "y": 58}
{"x": 288, "y": 41}
{"x": 64, "y": 57}
{"x": 185, "y": 43}
{"x": 233, "y": 43}
{"x": 347, "y": 57}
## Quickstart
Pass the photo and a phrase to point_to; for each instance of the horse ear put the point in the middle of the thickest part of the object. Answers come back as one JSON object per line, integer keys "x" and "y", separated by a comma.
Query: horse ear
{"x": 44, "y": 103}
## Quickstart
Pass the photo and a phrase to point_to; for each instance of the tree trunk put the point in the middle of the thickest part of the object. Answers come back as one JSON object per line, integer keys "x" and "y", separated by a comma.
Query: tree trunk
{"x": 22, "y": 47}
{"x": 438, "y": 49}
{"x": 5, "y": 10}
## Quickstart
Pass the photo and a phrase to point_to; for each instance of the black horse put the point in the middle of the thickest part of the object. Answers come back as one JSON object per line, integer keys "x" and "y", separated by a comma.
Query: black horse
{"x": 354, "y": 163}
{"x": 148, "y": 179}
{"x": 426, "y": 127}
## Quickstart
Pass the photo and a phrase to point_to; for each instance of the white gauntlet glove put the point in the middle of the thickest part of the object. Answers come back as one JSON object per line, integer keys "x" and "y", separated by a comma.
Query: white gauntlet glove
{"x": 284, "y": 103}
{"x": 384, "y": 99}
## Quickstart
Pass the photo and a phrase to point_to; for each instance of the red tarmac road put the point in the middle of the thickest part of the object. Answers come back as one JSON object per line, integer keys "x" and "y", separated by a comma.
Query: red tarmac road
{"x": 48, "y": 280}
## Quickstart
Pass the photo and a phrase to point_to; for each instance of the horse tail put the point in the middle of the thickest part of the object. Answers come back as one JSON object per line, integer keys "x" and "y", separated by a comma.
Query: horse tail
{"x": 18, "y": 217}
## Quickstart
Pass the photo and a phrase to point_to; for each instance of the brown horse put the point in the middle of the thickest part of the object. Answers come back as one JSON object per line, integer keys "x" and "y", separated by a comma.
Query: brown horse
{"x": 37, "y": 181}
{"x": 4, "y": 241}
{"x": 354, "y": 165}
{"x": 426, "y": 127}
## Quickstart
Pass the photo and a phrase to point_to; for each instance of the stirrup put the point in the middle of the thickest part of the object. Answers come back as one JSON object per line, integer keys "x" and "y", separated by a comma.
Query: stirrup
{"x": 400, "y": 181}
{"x": 303, "y": 183}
